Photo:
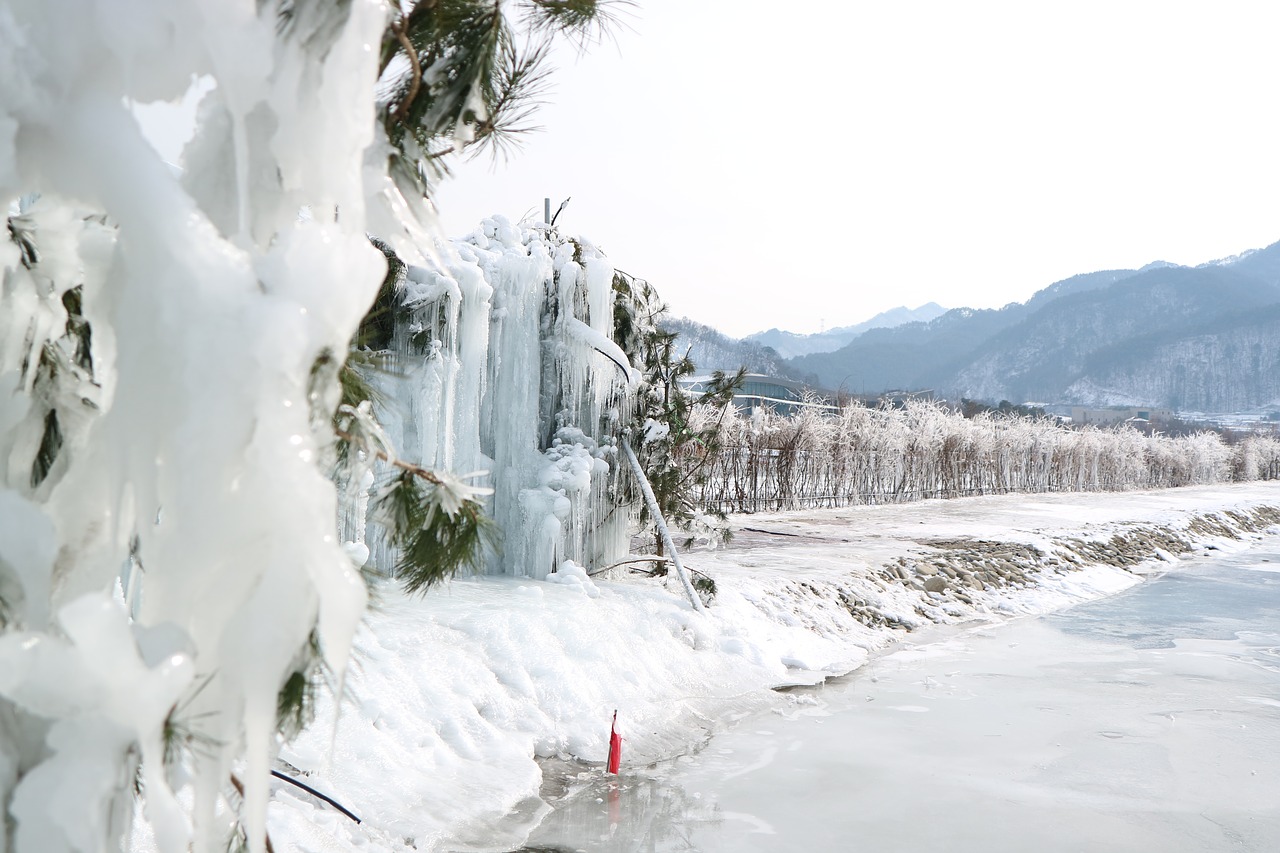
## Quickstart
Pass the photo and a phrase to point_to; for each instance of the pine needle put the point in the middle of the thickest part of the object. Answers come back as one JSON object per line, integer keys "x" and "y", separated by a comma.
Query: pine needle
{"x": 434, "y": 545}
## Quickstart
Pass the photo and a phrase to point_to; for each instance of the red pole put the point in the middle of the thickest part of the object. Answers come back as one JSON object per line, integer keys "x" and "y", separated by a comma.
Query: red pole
{"x": 615, "y": 745}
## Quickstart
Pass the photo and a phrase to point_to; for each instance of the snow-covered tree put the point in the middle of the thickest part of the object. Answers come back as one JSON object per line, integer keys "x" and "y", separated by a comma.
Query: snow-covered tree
{"x": 924, "y": 450}
{"x": 171, "y": 574}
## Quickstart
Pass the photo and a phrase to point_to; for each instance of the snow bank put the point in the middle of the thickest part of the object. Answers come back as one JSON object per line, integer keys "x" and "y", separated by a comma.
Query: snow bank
{"x": 455, "y": 696}
{"x": 457, "y": 701}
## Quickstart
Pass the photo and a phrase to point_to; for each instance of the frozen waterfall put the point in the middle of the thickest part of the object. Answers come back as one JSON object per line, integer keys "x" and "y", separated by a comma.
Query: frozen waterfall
{"x": 503, "y": 365}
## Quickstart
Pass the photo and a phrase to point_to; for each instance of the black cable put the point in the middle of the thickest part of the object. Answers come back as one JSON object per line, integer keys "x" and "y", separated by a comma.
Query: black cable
{"x": 315, "y": 793}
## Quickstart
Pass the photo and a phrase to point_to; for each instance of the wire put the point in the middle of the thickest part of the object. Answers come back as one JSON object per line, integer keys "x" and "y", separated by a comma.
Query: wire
{"x": 337, "y": 805}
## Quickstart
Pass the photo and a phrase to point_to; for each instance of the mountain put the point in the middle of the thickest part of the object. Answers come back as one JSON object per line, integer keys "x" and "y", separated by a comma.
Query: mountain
{"x": 1080, "y": 335}
{"x": 1201, "y": 338}
{"x": 791, "y": 344}
{"x": 713, "y": 350}
{"x": 1229, "y": 364}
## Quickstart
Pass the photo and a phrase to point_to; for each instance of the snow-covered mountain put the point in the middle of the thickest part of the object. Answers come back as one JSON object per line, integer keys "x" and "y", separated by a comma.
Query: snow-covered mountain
{"x": 792, "y": 344}
{"x": 1201, "y": 338}
{"x": 768, "y": 352}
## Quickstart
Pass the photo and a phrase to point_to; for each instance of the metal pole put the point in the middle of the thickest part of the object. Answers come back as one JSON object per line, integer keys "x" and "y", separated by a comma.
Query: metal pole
{"x": 546, "y": 211}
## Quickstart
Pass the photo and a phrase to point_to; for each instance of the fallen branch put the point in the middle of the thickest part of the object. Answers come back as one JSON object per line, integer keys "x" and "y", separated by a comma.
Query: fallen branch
{"x": 661, "y": 524}
{"x": 631, "y": 561}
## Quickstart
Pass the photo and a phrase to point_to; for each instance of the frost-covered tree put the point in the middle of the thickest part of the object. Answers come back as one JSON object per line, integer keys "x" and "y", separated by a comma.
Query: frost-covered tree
{"x": 171, "y": 576}
{"x": 924, "y": 450}
{"x": 675, "y": 452}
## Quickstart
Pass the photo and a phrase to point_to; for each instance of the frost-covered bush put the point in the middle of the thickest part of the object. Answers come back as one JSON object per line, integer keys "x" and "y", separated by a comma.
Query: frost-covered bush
{"x": 924, "y": 450}
{"x": 157, "y": 340}
{"x": 156, "y": 365}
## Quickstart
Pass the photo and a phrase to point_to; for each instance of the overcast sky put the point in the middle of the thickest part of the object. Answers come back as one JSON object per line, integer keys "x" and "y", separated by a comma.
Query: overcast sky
{"x": 815, "y": 162}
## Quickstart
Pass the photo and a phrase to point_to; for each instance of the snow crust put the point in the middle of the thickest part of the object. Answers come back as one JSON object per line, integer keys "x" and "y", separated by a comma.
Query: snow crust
{"x": 460, "y": 702}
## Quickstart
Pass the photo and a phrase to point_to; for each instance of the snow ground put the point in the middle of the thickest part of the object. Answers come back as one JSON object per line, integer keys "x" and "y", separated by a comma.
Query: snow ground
{"x": 458, "y": 701}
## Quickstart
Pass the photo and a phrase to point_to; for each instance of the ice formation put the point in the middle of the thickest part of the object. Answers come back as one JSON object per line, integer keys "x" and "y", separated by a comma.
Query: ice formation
{"x": 504, "y": 363}
{"x": 182, "y": 433}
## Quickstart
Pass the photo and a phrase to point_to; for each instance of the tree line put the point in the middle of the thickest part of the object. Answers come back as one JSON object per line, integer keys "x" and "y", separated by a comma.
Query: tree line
{"x": 764, "y": 461}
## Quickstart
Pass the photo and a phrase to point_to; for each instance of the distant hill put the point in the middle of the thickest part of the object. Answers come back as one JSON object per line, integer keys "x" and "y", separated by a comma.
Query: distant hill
{"x": 1201, "y": 338}
{"x": 712, "y": 350}
{"x": 791, "y": 344}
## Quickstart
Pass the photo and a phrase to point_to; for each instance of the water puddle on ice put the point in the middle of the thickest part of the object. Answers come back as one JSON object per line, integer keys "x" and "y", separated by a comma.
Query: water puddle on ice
{"x": 1149, "y": 721}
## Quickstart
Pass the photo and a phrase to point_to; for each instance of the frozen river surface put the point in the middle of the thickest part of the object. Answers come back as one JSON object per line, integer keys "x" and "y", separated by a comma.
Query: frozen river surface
{"x": 1149, "y": 721}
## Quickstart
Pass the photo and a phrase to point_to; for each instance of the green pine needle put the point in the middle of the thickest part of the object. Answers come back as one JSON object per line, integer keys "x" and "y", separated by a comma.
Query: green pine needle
{"x": 295, "y": 704}
{"x": 584, "y": 21}
{"x": 296, "y": 701}
{"x": 433, "y": 544}
{"x": 443, "y": 548}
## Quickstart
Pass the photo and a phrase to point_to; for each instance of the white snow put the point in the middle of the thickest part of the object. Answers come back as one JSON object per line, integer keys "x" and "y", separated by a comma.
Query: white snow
{"x": 456, "y": 699}
{"x": 211, "y": 299}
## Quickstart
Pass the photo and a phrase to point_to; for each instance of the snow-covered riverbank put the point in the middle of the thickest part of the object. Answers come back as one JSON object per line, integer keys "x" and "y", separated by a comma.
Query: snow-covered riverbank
{"x": 457, "y": 701}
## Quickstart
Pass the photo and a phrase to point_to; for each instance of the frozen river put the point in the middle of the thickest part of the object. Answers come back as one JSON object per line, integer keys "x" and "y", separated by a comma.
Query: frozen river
{"x": 1149, "y": 721}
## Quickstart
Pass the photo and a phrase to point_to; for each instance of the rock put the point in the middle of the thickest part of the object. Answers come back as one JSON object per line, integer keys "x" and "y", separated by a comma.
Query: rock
{"x": 935, "y": 584}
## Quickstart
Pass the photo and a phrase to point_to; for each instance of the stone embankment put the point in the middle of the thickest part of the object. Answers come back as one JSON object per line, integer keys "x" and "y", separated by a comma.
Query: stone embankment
{"x": 872, "y": 574}
{"x": 957, "y": 566}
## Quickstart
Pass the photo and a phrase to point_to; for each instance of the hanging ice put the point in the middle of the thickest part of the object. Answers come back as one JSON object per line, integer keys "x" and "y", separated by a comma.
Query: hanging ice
{"x": 178, "y": 436}
{"x": 505, "y": 363}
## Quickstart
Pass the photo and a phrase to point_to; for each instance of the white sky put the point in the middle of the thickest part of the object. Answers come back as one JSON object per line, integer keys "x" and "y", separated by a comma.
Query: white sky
{"x": 818, "y": 161}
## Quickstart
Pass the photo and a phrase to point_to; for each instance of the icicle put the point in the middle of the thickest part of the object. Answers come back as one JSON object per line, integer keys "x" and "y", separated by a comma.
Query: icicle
{"x": 521, "y": 379}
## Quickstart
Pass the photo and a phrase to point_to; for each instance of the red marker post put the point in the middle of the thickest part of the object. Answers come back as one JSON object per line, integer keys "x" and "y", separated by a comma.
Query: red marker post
{"x": 615, "y": 745}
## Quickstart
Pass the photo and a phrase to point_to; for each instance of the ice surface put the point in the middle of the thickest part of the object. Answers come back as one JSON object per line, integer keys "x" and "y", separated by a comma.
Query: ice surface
{"x": 1070, "y": 733}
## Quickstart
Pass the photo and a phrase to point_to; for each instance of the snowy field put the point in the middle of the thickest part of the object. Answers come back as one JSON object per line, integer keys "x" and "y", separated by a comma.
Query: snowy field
{"x": 467, "y": 710}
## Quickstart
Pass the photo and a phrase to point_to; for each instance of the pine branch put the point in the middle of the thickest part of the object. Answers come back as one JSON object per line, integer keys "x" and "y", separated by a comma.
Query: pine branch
{"x": 407, "y": 467}
{"x": 582, "y": 21}
{"x": 22, "y": 234}
{"x": 438, "y": 533}
{"x": 402, "y": 36}
{"x": 239, "y": 786}
{"x": 296, "y": 700}
{"x": 518, "y": 89}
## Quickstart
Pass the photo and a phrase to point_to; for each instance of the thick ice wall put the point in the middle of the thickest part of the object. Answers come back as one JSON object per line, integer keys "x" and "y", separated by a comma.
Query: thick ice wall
{"x": 510, "y": 368}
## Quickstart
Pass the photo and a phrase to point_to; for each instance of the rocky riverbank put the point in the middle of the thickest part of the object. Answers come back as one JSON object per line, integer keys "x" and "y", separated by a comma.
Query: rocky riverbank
{"x": 942, "y": 562}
